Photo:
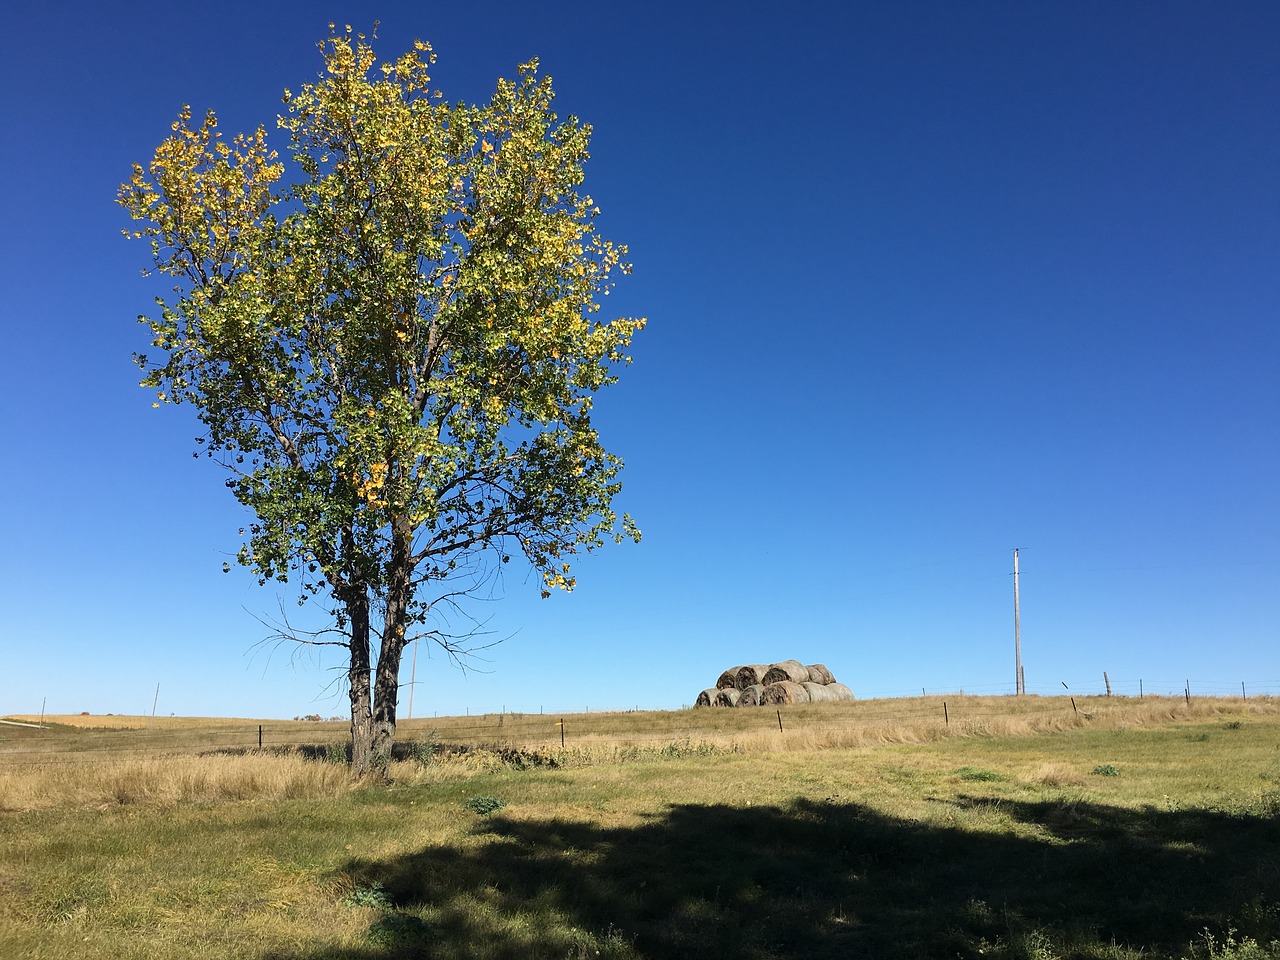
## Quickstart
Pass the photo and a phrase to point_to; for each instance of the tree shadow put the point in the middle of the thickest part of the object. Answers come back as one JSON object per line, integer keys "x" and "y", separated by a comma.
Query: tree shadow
{"x": 826, "y": 879}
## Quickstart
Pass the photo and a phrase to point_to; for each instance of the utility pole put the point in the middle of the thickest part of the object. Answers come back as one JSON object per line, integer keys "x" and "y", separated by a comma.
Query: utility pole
{"x": 413, "y": 678}
{"x": 1019, "y": 685}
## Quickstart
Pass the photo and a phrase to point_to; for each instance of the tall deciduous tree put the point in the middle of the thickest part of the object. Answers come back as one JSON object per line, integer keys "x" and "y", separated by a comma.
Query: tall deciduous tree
{"x": 395, "y": 352}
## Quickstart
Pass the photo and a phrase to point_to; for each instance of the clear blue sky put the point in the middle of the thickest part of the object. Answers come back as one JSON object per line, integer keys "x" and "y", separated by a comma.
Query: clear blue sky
{"x": 925, "y": 281}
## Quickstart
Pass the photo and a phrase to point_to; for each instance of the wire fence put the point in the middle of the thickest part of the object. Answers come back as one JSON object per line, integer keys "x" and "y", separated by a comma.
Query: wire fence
{"x": 972, "y": 708}
{"x": 1098, "y": 686}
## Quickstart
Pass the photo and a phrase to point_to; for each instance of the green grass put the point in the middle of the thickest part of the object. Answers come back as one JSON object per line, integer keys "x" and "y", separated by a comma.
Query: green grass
{"x": 971, "y": 847}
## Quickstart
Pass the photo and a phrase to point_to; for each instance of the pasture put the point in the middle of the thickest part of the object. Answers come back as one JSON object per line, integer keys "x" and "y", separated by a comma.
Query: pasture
{"x": 998, "y": 827}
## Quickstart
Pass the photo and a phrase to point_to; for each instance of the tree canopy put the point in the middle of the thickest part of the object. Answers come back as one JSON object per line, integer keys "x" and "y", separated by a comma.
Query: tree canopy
{"x": 394, "y": 352}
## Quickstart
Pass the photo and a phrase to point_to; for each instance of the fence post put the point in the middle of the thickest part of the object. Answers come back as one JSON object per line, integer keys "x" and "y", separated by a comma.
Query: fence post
{"x": 1243, "y": 695}
{"x": 1107, "y": 681}
{"x": 1139, "y": 689}
{"x": 1074, "y": 708}
{"x": 259, "y": 736}
{"x": 779, "y": 721}
{"x": 562, "y": 733}
{"x": 946, "y": 718}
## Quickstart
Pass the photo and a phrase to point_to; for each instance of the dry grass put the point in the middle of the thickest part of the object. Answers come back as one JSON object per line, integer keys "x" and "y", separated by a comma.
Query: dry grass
{"x": 1057, "y": 775}
{"x": 97, "y": 761}
{"x": 168, "y": 780}
{"x": 855, "y": 724}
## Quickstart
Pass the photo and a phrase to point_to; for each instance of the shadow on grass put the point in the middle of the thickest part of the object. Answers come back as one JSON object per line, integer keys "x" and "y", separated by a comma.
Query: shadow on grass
{"x": 829, "y": 879}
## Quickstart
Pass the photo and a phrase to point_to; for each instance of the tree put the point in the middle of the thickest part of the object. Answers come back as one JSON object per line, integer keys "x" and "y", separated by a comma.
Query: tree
{"x": 395, "y": 356}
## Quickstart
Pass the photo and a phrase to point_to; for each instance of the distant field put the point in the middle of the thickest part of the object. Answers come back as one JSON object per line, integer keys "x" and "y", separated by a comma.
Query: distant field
{"x": 1008, "y": 827}
{"x": 809, "y": 726}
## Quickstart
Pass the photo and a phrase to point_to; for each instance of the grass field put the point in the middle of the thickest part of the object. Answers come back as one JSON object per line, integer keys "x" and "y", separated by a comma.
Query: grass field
{"x": 1010, "y": 828}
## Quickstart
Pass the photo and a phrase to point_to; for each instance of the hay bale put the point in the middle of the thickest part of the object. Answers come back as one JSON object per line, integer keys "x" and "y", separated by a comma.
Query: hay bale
{"x": 783, "y": 692}
{"x": 751, "y": 675}
{"x": 818, "y": 692}
{"x": 706, "y": 697}
{"x": 727, "y": 678}
{"x": 727, "y": 697}
{"x": 818, "y": 673}
{"x": 751, "y": 696}
{"x": 839, "y": 691}
{"x": 792, "y": 670}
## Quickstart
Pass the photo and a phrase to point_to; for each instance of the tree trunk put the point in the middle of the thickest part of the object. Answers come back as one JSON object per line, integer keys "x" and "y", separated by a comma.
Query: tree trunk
{"x": 386, "y": 692}
{"x": 386, "y": 689}
{"x": 362, "y": 726}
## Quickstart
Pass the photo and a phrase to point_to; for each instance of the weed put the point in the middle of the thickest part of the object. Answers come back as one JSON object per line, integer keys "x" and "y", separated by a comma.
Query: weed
{"x": 398, "y": 930}
{"x": 422, "y": 752}
{"x": 484, "y": 805}
{"x": 686, "y": 748}
{"x": 1233, "y": 725}
{"x": 337, "y": 753}
{"x": 979, "y": 912}
{"x": 75, "y": 901}
{"x": 1209, "y": 947}
{"x": 523, "y": 759}
{"x": 1033, "y": 945}
{"x": 978, "y": 775}
{"x": 1058, "y": 775}
{"x": 611, "y": 944}
{"x": 372, "y": 896}
{"x": 1106, "y": 770}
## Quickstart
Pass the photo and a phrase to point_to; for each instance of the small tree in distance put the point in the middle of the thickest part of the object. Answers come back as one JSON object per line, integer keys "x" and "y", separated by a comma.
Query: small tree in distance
{"x": 395, "y": 356}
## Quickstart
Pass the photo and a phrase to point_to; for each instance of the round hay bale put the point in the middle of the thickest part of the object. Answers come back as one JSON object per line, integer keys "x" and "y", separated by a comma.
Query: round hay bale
{"x": 728, "y": 697}
{"x": 818, "y": 693}
{"x": 751, "y": 696}
{"x": 751, "y": 675}
{"x": 783, "y": 693}
{"x": 818, "y": 673}
{"x": 839, "y": 691}
{"x": 792, "y": 670}
{"x": 706, "y": 697}
{"x": 727, "y": 678}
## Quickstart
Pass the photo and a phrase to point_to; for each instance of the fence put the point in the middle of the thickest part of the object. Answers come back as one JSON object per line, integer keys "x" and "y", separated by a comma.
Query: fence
{"x": 1098, "y": 686}
{"x": 828, "y": 723}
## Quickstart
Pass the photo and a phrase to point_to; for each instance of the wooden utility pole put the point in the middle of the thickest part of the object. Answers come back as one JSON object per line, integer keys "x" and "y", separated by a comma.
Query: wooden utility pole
{"x": 1017, "y": 630}
{"x": 413, "y": 676}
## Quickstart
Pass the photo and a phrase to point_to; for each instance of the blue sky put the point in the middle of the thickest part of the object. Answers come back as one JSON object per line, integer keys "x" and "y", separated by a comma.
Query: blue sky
{"x": 925, "y": 282}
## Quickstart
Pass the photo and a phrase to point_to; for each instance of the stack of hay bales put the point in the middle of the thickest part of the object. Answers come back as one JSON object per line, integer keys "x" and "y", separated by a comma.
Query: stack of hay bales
{"x": 788, "y": 681}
